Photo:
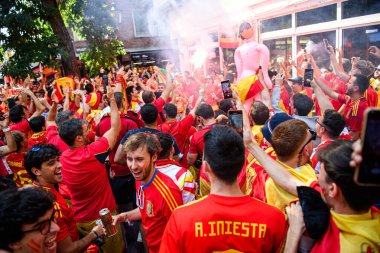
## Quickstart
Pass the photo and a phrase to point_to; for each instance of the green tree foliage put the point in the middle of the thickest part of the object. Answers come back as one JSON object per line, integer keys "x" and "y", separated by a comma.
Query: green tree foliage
{"x": 31, "y": 29}
{"x": 25, "y": 31}
{"x": 94, "y": 21}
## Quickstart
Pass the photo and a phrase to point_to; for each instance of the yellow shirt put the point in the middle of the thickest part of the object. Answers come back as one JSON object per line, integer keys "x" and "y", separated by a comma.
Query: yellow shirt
{"x": 278, "y": 197}
{"x": 375, "y": 83}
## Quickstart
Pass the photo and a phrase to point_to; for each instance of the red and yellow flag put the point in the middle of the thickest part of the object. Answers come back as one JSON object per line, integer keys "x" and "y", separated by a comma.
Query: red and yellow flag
{"x": 248, "y": 87}
{"x": 61, "y": 84}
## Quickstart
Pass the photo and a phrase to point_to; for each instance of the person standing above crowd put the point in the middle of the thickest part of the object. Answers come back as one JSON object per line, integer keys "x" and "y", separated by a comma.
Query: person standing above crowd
{"x": 85, "y": 175}
{"x": 225, "y": 220}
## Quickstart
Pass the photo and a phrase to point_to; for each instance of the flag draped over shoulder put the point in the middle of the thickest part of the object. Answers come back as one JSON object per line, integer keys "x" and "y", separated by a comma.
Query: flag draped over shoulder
{"x": 61, "y": 85}
{"x": 248, "y": 87}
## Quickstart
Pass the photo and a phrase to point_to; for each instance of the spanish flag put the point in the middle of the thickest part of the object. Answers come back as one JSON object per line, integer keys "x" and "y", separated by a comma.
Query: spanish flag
{"x": 61, "y": 85}
{"x": 93, "y": 100}
{"x": 248, "y": 87}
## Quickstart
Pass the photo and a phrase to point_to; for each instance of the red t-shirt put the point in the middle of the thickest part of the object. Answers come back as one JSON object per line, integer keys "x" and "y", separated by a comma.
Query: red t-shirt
{"x": 37, "y": 138}
{"x": 160, "y": 197}
{"x": 126, "y": 125}
{"x": 371, "y": 97}
{"x": 179, "y": 130}
{"x": 353, "y": 111}
{"x": 159, "y": 103}
{"x": 314, "y": 161}
{"x": 22, "y": 126}
{"x": 85, "y": 176}
{"x": 53, "y": 138}
{"x": 196, "y": 141}
{"x": 16, "y": 164}
{"x": 225, "y": 224}
{"x": 64, "y": 216}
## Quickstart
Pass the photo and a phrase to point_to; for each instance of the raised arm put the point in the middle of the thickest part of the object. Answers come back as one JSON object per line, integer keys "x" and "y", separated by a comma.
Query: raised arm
{"x": 337, "y": 69}
{"x": 323, "y": 101}
{"x": 326, "y": 89}
{"x": 169, "y": 83}
{"x": 39, "y": 107}
{"x": 199, "y": 100}
{"x": 11, "y": 142}
{"x": 111, "y": 135}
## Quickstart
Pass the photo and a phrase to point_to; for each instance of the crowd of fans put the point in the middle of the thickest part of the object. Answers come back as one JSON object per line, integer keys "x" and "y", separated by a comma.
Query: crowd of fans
{"x": 156, "y": 150}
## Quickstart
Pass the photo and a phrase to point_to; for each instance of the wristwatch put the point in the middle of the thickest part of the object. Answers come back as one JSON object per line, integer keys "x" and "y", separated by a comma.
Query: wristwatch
{"x": 6, "y": 129}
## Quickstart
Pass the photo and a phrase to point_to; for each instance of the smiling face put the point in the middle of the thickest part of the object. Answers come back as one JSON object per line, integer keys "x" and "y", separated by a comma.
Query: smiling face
{"x": 140, "y": 162}
{"x": 50, "y": 172}
{"x": 34, "y": 241}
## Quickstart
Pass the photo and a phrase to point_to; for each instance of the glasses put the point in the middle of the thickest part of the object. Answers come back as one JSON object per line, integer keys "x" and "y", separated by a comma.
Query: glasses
{"x": 43, "y": 226}
{"x": 312, "y": 138}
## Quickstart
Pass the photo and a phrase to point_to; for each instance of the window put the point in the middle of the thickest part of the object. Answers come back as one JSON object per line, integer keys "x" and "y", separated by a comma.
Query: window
{"x": 228, "y": 59}
{"x": 280, "y": 50}
{"x": 275, "y": 24}
{"x": 356, "y": 8}
{"x": 317, "y": 15}
{"x": 140, "y": 23}
{"x": 313, "y": 43}
{"x": 356, "y": 42}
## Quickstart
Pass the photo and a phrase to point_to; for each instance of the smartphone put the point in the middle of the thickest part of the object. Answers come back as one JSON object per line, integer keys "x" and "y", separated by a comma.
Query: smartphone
{"x": 226, "y": 88}
{"x": 368, "y": 172}
{"x": 326, "y": 44}
{"x": 236, "y": 120}
{"x": 309, "y": 74}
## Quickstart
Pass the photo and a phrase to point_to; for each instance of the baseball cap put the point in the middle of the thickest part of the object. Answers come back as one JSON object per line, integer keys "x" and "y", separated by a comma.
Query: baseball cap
{"x": 272, "y": 123}
{"x": 297, "y": 79}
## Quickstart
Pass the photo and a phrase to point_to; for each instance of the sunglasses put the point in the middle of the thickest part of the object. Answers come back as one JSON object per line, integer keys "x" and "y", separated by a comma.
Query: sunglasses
{"x": 44, "y": 226}
{"x": 312, "y": 138}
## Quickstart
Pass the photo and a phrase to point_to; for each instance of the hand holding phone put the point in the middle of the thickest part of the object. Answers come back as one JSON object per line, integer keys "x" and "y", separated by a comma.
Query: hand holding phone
{"x": 368, "y": 172}
{"x": 236, "y": 120}
{"x": 226, "y": 88}
{"x": 308, "y": 75}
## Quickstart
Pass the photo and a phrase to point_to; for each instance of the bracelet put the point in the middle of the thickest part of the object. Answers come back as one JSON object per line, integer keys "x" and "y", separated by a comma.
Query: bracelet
{"x": 7, "y": 129}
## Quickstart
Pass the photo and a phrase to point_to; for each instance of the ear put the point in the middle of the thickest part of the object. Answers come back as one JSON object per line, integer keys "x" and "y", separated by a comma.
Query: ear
{"x": 333, "y": 190}
{"x": 36, "y": 171}
{"x": 154, "y": 158}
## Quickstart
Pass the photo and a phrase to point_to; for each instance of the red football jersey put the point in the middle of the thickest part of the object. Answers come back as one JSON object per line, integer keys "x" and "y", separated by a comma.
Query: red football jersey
{"x": 85, "y": 176}
{"x": 53, "y": 138}
{"x": 353, "y": 112}
{"x": 157, "y": 199}
{"x": 16, "y": 164}
{"x": 37, "y": 138}
{"x": 225, "y": 224}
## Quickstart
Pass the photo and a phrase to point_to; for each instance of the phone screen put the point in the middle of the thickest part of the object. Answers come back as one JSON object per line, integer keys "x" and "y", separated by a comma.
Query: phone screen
{"x": 226, "y": 88}
{"x": 309, "y": 74}
{"x": 369, "y": 170}
{"x": 236, "y": 120}
{"x": 326, "y": 43}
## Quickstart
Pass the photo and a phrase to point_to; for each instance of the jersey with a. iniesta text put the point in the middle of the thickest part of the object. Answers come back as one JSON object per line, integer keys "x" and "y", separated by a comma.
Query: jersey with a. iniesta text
{"x": 225, "y": 224}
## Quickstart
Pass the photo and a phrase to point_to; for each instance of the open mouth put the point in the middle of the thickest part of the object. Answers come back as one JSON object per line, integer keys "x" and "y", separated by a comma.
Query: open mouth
{"x": 51, "y": 244}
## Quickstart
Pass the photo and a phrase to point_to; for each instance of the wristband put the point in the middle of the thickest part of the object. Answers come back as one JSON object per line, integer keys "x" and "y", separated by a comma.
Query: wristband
{"x": 7, "y": 129}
